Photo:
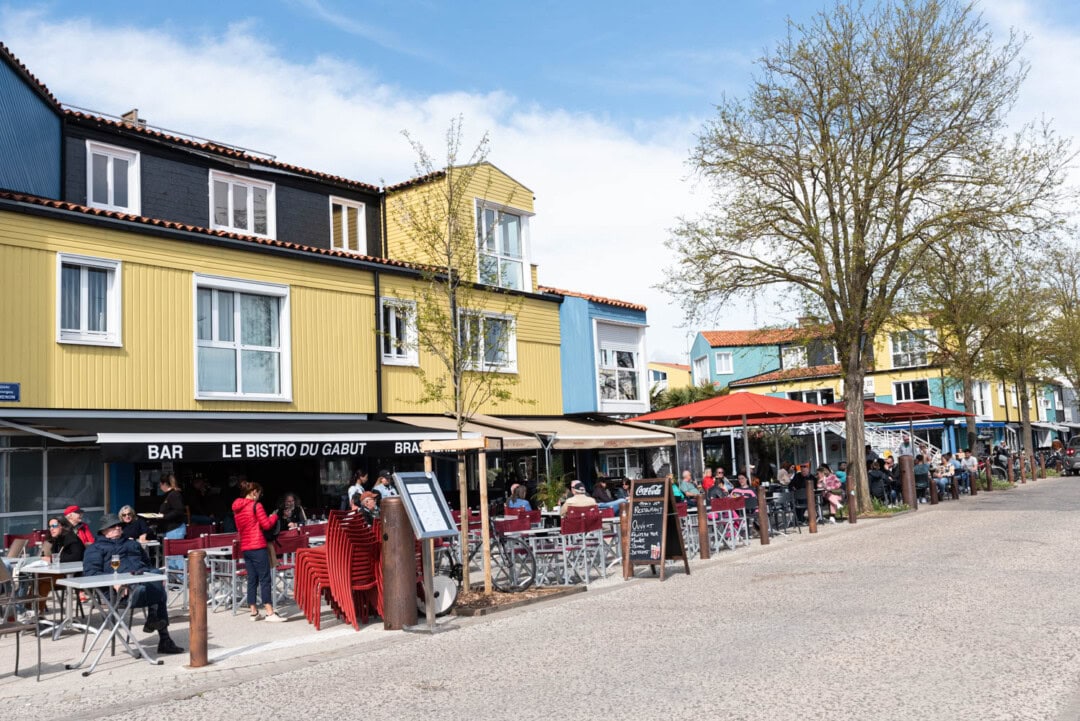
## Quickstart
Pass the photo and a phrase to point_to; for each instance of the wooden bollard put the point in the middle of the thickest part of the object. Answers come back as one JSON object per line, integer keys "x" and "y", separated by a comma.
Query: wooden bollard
{"x": 1009, "y": 471}
{"x": 624, "y": 532}
{"x": 933, "y": 491}
{"x": 762, "y": 516}
{"x": 197, "y": 657}
{"x": 907, "y": 482}
{"x": 1042, "y": 466}
{"x": 955, "y": 487}
{"x": 703, "y": 528}
{"x": 1023, "y": 475}
{"x": 398, "y": 560}
{"x": 811, "y": 505}
{"x": 989, "y": 465}
{"x": 973, "y": 482}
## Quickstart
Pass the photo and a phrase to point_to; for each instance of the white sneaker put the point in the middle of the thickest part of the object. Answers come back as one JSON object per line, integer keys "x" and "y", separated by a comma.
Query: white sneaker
{"x": 25, "y": 617}
{"x": 275, "y": 618}
{"x": 832, "y": 520}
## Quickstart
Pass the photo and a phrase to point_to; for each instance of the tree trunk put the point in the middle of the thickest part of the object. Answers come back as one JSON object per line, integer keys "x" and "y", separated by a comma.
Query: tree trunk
{"x": 855, "y": 430}
{"x": 1025, "y": 412}
{"x": 463, "y": 494}
{"x": 969, "y": 407}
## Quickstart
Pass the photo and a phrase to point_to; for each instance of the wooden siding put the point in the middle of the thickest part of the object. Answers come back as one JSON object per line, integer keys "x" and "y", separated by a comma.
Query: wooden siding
{"x": 332, "y": 368}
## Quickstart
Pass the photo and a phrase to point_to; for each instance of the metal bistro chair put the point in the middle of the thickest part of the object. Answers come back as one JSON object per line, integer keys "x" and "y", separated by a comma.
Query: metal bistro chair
{"x": 783, "y": 513}
{"x": 688, "y": 528}
{"x": 10, "y": 623}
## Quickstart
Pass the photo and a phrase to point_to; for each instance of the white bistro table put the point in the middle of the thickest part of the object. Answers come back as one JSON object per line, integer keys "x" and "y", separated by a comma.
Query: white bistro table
{"x": 67, "y": 570}
{"x": 98, "y": 588}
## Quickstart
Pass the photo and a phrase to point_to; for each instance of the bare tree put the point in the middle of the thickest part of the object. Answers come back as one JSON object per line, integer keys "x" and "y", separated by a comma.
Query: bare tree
{"x": 1061, "y": 269}
{"x": 871, "y": 134}
{"x": 466, "y": 326}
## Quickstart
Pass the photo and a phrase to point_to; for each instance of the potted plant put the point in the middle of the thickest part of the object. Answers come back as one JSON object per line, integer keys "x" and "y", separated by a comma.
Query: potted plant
{"x": 550, "y": 491}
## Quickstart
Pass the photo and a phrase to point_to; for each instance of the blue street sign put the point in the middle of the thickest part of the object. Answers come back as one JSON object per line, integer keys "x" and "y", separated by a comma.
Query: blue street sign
{"x": 9, "y": 392}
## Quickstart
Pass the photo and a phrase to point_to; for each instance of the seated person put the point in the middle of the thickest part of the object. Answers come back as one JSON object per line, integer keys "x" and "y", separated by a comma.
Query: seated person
{"x": 879, "y": 483}
{"x": 689, "y": 487}
{"x": 707, "y": 481}
{"x": 135, "y": 526}
{"x": 722, "y": 480}
{"x": 744, "y": 488}
{"x": 63, "y": 542}
{"x": 833, "y": 495}
{"x": 623, "y": 490}
{"x": 604, "y": 499}
{"x": 578, "y": 498}
{"x": 291, "y": 513}
{"x": 718, "y": 490}
{"x": 841, "y": 472}
{"x": 922, "y": 474}
{"x": 369, "y": 506}
{"x": 943, "y": 474}
{"x": 517, "y": 498}
{"x": 133, "y": 559}
{"x": 74, "y": 516}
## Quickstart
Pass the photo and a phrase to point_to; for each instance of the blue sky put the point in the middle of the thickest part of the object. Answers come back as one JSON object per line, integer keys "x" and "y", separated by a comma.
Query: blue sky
{"x": 592, "y": 105}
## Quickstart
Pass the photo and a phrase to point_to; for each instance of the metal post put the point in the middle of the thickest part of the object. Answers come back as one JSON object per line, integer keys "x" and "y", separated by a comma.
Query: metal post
{"x": 702, "y": 527}
{"x": 907, "y": 482}
{"x": 811, "y": 505}
{"x": 762, "y": 516}
{"x": 196, "y": 609}
{"x": 428, "y": 552}
{"x": 398, "y": 566}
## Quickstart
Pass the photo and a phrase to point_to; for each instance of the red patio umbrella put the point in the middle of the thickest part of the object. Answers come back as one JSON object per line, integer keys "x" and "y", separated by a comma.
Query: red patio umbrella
{"x": 742, "y": 407}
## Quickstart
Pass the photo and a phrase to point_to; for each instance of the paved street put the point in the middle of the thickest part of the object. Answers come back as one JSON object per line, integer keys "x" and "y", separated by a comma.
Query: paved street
{"x": 963, "y": 611}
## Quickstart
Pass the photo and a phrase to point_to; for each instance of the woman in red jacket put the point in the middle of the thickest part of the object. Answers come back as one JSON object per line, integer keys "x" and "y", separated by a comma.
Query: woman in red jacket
{"x": 251, "y": 521}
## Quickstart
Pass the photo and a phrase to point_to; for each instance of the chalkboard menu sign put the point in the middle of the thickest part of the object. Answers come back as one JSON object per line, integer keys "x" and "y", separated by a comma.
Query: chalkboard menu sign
{"x": 654, "y": 534}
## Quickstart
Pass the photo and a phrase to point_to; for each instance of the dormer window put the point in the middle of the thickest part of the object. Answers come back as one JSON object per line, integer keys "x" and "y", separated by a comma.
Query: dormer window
{"x": 501, "y": 240}
{"x": 242, "y": 205}
{"x": 347, "y": 226}
{"x": 112, "y": 178}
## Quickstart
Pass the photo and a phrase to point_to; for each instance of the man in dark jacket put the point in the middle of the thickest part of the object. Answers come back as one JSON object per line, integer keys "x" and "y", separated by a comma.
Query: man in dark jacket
{"x": 133, "y": 559}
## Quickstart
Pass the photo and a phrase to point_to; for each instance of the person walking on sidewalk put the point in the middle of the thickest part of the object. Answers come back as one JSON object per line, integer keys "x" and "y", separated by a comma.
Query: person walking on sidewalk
{"x": 251, "y": 521}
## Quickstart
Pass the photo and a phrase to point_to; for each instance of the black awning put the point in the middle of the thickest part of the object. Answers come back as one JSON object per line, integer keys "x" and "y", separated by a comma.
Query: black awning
{"x": 140, "y": 439}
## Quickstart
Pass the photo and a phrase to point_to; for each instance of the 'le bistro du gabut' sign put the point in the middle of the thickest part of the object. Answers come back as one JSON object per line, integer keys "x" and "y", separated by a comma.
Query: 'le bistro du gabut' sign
{"x": 257, "y": 451}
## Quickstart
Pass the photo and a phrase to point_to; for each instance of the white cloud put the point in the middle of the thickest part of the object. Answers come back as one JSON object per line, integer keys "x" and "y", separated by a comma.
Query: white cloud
{"x": 606, "y": 196}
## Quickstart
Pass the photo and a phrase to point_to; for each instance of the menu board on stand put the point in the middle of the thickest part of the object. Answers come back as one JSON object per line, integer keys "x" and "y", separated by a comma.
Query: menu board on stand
{"x": 654, "y": 534}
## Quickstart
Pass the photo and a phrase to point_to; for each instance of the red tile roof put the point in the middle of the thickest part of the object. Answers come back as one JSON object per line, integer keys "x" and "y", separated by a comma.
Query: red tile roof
{"x": 593, "y": 298}
{"x": 223, "y": 150}
{"x": 419, "y": 180}
{"x": 789, "y": 374}
{"x": 172, "y": 225}
{"x": 39, "y": 86}
{"x": 762, "y": 336}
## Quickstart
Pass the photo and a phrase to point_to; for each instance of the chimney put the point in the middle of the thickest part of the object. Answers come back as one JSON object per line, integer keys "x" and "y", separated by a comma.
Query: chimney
{"x": 131, "y": 117}
{"x": 807, "y": 320}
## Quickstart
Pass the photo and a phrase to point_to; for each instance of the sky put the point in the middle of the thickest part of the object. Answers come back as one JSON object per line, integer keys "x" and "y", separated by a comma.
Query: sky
{"x": 592, "y": 105}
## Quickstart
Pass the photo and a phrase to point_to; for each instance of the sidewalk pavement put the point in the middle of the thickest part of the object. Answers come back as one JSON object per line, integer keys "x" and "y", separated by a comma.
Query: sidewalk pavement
{"x": 241, "y": 650}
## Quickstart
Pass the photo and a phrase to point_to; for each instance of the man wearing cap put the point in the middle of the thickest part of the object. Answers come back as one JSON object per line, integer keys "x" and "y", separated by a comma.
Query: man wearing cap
{"x": 369, "y": 506}
{"x": 74, "y": 516}
{"x": 133, "y": 559}
{"x": 578, "y": 498}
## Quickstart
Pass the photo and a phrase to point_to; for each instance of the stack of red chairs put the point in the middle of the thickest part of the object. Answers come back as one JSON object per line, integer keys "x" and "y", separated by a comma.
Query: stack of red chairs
{"x": 312, "y": 582}
{"x": 353, "y": 564}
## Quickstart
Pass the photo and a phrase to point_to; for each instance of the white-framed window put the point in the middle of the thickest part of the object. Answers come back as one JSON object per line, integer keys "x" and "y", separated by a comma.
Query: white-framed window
{"x": 242, "y": 340}
{"x": 398, "y": 339}
{"x": 819, "y": 398}
{"x": 958, "y": 396}
{"x": 621, "y": 464}
{"x": 620, "y": 375}
{"x": 87, "y": 300}
{"x": 501, "y": 241}
{"x": 980, "y": 391}
{"x": 724, "y": 365}
{"x": 112, "y": 178}
{"x": 489, "y": 341}
{"x": 701, "y": 370}
{"x": 658, "y": 380}
{"x": 347, "y": 225}
{"x": 242, "y": 205}
{"x": 793, "y": 356}
{"x": 867, "y": 387}
{"x": 911, "y": 392}
{"x": 909, "y": 348}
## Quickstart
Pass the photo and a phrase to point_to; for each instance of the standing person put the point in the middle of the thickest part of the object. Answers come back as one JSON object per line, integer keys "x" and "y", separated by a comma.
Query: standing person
{"x": 74, "y": 516}
{"x": 173, "y": 515}
{"x": 358, "y": 486}
{"x": 905, "y": 448}
{"x": 369, "y": 506}
{"x": 383, "y": 486}
{"x": 251, "y": 521}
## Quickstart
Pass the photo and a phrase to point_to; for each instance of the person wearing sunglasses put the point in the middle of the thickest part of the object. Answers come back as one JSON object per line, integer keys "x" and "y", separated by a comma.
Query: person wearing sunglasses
{"x": 62, "y": 541}
{"x": 135, "y": 526}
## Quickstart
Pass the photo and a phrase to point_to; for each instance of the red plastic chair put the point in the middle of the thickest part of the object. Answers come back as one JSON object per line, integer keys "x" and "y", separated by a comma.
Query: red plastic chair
{"x": 194, "y": 531}
{"x": 179, "y": 548}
